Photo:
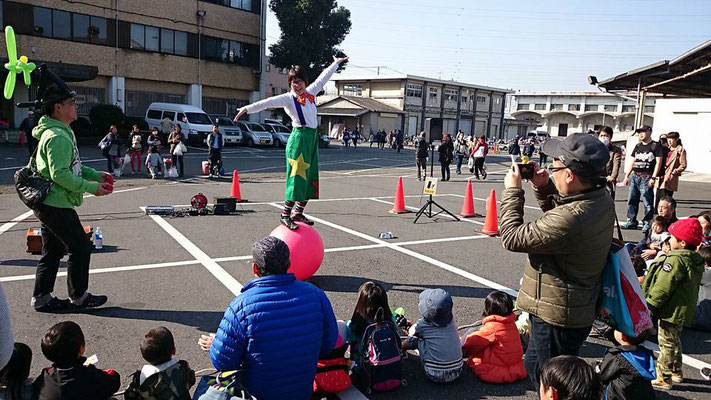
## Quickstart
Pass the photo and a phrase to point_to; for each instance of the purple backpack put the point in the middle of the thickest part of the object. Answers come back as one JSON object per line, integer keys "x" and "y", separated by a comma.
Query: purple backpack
{"x": 381, "y": 357}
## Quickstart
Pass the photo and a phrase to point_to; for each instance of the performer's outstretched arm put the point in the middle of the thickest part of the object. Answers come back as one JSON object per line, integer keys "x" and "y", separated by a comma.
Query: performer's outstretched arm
{"x": 320, "y": 82}
{"x": 272, "y": 102}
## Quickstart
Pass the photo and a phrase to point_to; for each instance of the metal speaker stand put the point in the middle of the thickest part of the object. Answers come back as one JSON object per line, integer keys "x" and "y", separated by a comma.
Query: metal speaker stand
{"x": 426, "y": 209}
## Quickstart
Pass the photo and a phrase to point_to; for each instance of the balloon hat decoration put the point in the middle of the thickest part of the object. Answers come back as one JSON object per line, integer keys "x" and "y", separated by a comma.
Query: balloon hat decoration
{"x": 305, "y": 248}
{"x": 14, "y": 65}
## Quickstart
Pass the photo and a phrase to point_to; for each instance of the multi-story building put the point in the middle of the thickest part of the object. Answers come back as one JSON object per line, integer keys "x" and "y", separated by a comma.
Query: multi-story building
{"x": 134, "y": 52}
{"x": 563, "y": 113}
{"x": 425, "y": 101}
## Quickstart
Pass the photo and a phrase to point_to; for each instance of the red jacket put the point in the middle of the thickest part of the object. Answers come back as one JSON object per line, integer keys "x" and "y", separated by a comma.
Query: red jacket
{"x": 495, "y": 352}
{"x": 478, "y": 144}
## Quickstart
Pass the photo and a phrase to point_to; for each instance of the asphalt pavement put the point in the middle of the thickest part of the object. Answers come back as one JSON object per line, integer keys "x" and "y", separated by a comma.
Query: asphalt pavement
{"x": 182, "y": 272}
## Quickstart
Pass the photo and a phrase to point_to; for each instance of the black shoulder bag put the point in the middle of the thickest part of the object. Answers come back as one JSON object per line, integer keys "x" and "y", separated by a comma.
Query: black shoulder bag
{"x": 31, "y": 186}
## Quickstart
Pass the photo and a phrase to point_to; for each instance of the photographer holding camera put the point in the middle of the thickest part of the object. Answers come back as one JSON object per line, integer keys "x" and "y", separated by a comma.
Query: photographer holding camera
{"x": 567, "y": 246}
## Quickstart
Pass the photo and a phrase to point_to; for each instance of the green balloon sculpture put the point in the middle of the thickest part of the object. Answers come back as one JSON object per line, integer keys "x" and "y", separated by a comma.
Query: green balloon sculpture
{"x": 15, "y": 66}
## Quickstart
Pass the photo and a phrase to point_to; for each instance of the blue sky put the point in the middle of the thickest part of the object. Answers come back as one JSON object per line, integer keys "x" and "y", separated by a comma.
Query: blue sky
{"x": 527, "y": 45}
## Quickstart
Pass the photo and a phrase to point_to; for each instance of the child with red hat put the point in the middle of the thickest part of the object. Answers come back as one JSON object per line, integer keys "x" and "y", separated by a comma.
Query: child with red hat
{"x": 671, "y": 290}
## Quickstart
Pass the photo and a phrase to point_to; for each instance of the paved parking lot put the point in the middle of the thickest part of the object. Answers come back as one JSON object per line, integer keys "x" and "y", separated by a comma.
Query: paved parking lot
{"x": 182, "y": 272}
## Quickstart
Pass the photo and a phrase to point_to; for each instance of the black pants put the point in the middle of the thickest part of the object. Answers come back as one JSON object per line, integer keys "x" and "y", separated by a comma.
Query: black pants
{"x": 445, "y": 170}
{"x": 177, "y": 159}
{"x": 479, "y": 166}
{"x": 421, "y": 167}
{"x": 611, "y": 187}
{"x": 61, "y": 229}
{"x": 110, "y": 161}
{"x": 548, "y": 341}
{"x": 215, "y": 161}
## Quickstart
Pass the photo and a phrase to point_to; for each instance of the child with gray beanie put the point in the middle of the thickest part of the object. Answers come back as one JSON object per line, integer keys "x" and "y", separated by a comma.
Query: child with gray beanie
{"x": 436, "y": 338}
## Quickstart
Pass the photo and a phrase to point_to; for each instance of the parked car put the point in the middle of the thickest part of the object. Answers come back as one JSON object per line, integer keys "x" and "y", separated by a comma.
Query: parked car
{"x": 194, "y": 121}
{"x": 280, "y": 133}
{"x": 540, "y": 136}
{"x": 228, "y": 128}
{"x": 255, "y": 133}
{"x": 278, "y": 122}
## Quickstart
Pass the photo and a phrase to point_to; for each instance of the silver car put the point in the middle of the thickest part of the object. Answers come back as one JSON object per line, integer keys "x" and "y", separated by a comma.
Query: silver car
{"x": 255, "y": 133}
{"x": 228, "y": 128}
{"x": 280, "y": 133}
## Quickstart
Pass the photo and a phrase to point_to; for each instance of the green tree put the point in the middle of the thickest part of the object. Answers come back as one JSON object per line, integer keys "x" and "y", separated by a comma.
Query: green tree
{"x": 310, "y": 32}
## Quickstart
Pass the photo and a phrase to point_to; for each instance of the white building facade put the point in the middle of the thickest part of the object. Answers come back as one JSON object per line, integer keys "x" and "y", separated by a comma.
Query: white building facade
{"x": 565, "y": 113}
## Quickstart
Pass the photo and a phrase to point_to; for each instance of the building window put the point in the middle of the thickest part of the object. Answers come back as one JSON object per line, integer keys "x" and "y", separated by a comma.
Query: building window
{"x": 240, "y": 4}
{"x": 480, "y": 99}
{"x": 43, "y": 21}
{"x": 353, "y": 90}
{"x": 556, "y": 107}
{"x": 61, "y": 25}
{"x": 628, "y": 108}
{"x": 464, "y": 99}
{"x": 88, "y": 97}
{"x": 180, "y": 41}
{"x": 235, "y": 53}
{"x": 539, "y": 107}
{"x": 450, "y": 95}
{"x": 268, "y": 68}
{"x": 434, "y": 92}
{"x": 498, "y": 100}
{"x": 413, "y": 90}
{"x": 89, "y": 29}
{"x": 591, "y": 107}
{"x": 138, "y": 38}
{"x": 137, "y": 102}
{"x": 166, "y": 41}
{"x": 610, "y": 107}
{"x": 98, "y": 30}
{"x": 649, "y": 109}
{"x": 152, "y": 38}
{"x": 521, "y": 106}
{"x": 573, "y": 107}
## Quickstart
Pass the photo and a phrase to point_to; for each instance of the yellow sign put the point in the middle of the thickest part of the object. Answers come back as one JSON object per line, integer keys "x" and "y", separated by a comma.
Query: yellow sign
{"x": 430, "y": 186}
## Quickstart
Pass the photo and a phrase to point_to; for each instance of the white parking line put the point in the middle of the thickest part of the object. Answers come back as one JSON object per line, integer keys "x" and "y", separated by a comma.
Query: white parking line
{"x": 213, "y": 267}
{"x": 106, "y": 270}
{"x": 6, "y": 226}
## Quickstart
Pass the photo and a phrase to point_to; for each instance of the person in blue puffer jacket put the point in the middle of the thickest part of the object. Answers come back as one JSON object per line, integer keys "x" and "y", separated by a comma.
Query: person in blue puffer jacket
{"x": 276, "y": 329}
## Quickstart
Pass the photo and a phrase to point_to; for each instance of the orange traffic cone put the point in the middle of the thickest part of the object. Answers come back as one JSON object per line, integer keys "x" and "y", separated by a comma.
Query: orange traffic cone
{"x": 399, "y": 207}
{"x": 235, "y": 193}
{"x": 468, "y": 205}
{"x": 491, "y": 223}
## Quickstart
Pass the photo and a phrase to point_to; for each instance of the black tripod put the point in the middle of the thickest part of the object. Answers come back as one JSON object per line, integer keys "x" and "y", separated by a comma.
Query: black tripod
{"x": 427, "y": 207}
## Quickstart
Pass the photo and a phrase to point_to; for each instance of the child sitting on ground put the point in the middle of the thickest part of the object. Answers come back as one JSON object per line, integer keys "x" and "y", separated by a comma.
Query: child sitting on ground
{"x": 671, "y": 289}
{"x": 154, "y": 162}
{"x": 628, "y": 369}
{"x": 702, "y": 320}
{"x": 14, "y": 384}
{"x": 436, "y": 338}
{"x": 495, "y": 352}
{"x": 569, "y": 378}
{"x": 69, "y": 377}
{"x": 163, "y": 376}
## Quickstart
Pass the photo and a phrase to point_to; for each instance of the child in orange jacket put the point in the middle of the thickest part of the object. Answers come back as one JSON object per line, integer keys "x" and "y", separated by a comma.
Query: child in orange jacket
{"x": 494, "y": 351}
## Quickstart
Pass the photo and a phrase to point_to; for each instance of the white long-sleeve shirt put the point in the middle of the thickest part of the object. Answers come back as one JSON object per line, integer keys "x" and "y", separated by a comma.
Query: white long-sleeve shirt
{"x": 286, "y": 101}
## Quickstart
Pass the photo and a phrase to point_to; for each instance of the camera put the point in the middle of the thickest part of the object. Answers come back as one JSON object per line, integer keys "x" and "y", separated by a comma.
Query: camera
{"x": 526, "y": 171}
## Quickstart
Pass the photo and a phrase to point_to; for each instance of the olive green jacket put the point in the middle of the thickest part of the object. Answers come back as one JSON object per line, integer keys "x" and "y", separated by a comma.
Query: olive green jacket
{"x": 567, "y": 249}
{"x": 672, "y": 285}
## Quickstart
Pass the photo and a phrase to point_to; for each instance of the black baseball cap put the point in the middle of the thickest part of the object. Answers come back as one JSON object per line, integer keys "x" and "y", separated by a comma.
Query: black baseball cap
{"x": 643, "y": 128}
{"x": 582, "y": 153}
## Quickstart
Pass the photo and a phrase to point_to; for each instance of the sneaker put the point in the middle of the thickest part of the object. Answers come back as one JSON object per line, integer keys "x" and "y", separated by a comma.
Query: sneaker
{"x": 662, "y": 384}
{"x": 706, "y": 373}
{"x": 483, "y": 174}
{"x": 301, "y": 218}
{"x": 288, "y": 222}
{"x": 90, "y": 301}
{"x": 629, "y": 224}
{"x": 645, "y": 226}
{"x": 678, "y": 377}
{"x": 55, "y": 305}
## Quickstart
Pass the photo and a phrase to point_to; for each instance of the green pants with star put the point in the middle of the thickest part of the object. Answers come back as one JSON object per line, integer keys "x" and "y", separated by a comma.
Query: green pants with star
{"x": 669, "y": 338}
{"x": 302, "y": 165}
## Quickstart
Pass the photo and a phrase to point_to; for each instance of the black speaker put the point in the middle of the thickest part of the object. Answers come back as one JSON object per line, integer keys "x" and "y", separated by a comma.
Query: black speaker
{"x": 433, "y": 127}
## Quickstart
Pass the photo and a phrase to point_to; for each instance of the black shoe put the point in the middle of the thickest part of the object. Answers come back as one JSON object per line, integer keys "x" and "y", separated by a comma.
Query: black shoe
{"x": 91, "y": 301}
{"x": 483, "y": 175}
{"x": 301, "y": 218}
{"x": 288, "y": 222}
{"x": 55, "y": 305}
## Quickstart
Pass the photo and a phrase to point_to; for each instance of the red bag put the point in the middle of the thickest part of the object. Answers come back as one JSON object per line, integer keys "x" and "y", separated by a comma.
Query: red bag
{"x": 332, "y": 372}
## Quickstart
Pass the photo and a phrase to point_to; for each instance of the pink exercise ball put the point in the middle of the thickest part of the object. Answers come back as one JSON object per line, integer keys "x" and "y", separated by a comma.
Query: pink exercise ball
{"x": 305, "y": 248}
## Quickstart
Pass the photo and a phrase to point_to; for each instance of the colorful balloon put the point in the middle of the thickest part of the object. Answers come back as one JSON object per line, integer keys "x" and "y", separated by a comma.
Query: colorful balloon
{"x": 14, "y": 65}
{"x": 305, "y": 248}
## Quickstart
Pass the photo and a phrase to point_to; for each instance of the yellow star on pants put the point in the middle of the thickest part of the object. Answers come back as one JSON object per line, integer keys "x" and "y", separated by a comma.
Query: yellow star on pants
{"x": 298, "y": 166}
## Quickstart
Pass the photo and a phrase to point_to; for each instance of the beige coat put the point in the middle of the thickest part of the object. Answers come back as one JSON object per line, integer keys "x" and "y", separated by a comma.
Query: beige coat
{"x": 675, "y": 165}
{"x": 567, "y": 249}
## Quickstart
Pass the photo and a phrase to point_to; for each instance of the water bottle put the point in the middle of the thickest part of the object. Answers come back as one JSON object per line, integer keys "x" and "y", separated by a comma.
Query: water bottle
{"x": 98, "y": 239}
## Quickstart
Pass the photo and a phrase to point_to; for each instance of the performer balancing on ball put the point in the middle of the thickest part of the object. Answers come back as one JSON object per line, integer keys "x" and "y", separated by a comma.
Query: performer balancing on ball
{"x": 302, "y": 147}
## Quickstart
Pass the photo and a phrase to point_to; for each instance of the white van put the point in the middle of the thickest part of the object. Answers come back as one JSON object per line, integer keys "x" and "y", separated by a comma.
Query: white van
{"x": 195, "y": 123}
